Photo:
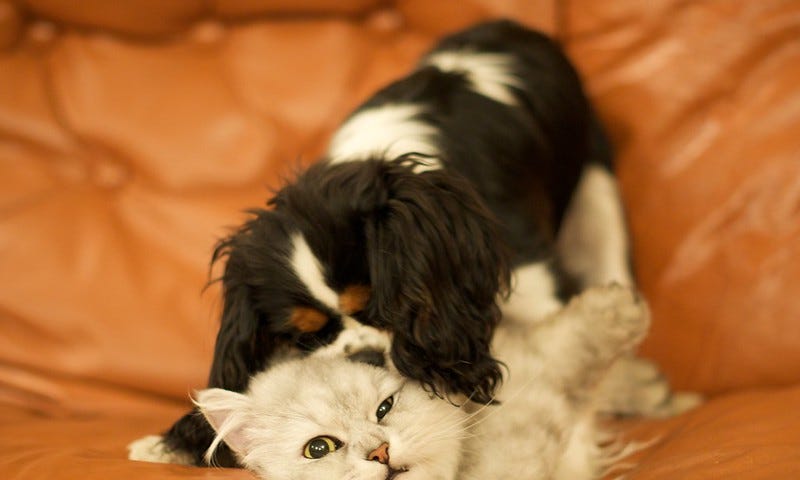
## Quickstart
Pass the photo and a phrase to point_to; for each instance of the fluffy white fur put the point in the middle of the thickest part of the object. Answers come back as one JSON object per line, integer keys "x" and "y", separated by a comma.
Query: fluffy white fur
{"x": 299, "y": 400}
{"x": 543, "y": 428}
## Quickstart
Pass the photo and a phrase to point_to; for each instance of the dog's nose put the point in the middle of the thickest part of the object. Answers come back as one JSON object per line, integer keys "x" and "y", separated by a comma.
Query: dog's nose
{"x": 369, "y": 356}
{"x": 380, "y": 454}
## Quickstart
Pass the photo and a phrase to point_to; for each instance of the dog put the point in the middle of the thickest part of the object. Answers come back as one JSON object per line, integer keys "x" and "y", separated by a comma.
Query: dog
{"x": 485, "y": 164}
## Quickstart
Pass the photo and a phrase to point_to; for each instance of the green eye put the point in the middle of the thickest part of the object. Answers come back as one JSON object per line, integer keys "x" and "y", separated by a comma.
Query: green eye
{"x": 384, "y": 407}
{"x": 318, "y": 447}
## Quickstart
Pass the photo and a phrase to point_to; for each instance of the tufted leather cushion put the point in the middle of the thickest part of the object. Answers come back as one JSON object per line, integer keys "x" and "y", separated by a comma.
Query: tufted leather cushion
{"x": 704, "y": 105}
{"x": 133, "y": 134}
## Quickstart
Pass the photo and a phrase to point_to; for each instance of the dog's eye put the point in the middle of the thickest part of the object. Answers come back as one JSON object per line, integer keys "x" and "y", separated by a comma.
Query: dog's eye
{"x": 318, "y": 447}
{"x": 384, "y": 408}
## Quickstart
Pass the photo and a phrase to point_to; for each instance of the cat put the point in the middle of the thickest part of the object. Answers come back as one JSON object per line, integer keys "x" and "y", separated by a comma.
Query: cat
{"x": 330, "y": 417}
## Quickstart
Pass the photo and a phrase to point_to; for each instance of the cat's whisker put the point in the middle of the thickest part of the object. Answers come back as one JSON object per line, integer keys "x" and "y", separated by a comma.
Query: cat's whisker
{"x": 492, "y": 400}
{"x": 453, "y": 426}
{"x": 502, "y": 405}
{"x": 434, "y": 433}
{"x": 460, "y": 408}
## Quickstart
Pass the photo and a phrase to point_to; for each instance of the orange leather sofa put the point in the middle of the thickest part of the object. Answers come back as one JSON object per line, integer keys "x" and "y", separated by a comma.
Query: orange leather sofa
{"x": 134, "y": 133}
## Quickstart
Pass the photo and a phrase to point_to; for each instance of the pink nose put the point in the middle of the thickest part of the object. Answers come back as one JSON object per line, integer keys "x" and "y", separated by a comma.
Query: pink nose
{"x": 380, "y": 454}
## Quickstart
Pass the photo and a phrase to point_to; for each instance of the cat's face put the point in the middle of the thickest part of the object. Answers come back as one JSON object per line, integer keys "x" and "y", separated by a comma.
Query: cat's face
{"x": 332, "y": 418}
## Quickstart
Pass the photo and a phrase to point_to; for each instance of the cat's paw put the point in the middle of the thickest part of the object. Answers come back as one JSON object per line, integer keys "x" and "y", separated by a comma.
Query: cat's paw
{"x": 635, "y": 386}
{"x": 679, "y": 402}
{"x": 152, "y": 449}
{"x": 615, "y": 312}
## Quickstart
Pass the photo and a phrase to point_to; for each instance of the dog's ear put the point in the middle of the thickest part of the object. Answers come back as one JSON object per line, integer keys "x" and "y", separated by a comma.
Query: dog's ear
{"x": 243, "y": 345}
{"x": 226, "y": 412}
{"x": 437, "y": 267}
{"x": 235, "y": 357}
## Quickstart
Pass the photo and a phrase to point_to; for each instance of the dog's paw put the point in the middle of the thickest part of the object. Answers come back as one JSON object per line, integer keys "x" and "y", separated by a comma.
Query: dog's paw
{"x": 617, "y": 313}
{"x": 152, "y": 449}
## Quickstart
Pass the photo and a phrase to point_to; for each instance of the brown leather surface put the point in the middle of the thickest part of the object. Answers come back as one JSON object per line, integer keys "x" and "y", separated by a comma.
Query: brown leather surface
{"x": 703, "y": 100}
{"x": 133, "y": 134}
{"x": 753, "y": 434}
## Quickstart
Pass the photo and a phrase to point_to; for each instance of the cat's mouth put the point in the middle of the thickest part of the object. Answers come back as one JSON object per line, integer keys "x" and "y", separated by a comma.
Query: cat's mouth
{"x": 394, "y": 472}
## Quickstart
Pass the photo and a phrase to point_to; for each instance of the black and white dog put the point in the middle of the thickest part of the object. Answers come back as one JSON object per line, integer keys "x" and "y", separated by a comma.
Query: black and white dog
{"x": 483, "y": 165}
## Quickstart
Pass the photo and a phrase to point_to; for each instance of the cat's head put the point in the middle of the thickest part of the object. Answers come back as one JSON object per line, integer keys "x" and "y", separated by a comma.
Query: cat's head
{"x": 334, "y": 418}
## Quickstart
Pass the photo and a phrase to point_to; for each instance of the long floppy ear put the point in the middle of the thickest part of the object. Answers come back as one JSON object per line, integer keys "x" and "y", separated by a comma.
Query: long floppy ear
{"x": 235, "y": 348}
{"x": 243, "y": 345}
{"x": 226, "y": 412}
{"x": 437, "y": 266}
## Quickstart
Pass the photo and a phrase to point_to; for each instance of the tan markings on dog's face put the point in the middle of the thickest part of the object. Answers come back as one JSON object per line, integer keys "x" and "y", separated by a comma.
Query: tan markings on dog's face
{"x": 353, "y": 299}
{"x": 307, "y": 319}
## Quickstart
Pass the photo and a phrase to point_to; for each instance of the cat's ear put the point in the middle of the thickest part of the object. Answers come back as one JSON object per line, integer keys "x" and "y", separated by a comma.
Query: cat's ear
{"x": 226, "y": 412}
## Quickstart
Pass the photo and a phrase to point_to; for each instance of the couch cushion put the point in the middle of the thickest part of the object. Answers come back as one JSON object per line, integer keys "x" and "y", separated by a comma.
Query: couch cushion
{"x": 751, "y": 434}
{"x": 130, "y": 141}
{"x": 702, "y": 101}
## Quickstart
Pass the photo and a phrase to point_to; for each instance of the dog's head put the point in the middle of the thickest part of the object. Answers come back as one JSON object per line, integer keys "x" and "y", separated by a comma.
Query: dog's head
{"x": 416, "y": 255}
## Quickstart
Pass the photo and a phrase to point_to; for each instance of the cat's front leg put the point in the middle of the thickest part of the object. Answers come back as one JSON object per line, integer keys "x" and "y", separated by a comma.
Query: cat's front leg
{"x": 579, "y": 343}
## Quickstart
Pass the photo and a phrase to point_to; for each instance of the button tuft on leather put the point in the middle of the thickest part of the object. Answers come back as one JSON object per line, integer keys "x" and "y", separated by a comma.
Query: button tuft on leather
{"x": 109, "y": 175}
{"x": 42, "y": 32}
{"x": 386, "y": 20}
{"x": 208, "y": 31}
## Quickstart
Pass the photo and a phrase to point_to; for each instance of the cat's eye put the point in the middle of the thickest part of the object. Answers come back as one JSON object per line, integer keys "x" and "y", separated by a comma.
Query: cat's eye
{"x": 318, "y": 447}
{"x": 384, "y": 408}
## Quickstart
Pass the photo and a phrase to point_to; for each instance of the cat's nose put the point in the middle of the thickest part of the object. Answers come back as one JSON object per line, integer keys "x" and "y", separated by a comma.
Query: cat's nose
{"x": 380, "y": 454}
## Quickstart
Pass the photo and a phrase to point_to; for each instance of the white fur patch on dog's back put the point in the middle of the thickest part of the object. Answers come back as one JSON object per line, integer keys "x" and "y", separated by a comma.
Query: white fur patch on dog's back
{"x": 387, "y": 131}
{"x": 489, "y": 74}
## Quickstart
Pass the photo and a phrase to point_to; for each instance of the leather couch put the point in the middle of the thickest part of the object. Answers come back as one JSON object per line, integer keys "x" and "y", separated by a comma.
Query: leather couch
{"x": 133, "y": 134}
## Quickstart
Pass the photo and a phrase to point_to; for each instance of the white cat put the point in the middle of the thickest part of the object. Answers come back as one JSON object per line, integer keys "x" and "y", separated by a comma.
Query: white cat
{"x": 332, "y": 418}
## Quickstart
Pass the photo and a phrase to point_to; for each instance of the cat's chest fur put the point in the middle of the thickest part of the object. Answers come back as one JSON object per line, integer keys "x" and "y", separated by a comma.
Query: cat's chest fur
{"x": 535, "y": 431}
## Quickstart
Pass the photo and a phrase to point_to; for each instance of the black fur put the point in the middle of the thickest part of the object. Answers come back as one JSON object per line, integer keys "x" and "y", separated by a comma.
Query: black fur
{"x": 436, "y": 247}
